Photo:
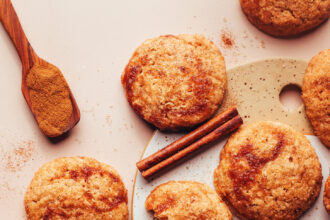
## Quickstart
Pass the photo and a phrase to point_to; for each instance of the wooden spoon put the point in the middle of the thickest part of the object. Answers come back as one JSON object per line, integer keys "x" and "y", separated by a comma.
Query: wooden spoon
{"x": 28, "y": 57}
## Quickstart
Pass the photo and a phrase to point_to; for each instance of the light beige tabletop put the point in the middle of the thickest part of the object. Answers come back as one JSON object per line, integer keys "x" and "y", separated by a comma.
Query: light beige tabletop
{"x": 91, "y": 42}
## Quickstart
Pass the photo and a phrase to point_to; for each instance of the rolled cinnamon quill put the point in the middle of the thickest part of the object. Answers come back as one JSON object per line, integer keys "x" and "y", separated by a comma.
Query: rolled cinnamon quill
{"x": 221, "y": 125}
{"x": 186, "y": 140}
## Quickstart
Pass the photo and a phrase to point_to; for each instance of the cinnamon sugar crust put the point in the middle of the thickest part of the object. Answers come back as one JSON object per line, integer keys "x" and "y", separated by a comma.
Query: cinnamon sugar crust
{"x": 286, "y": 18}
{"x": 268, "y": 170}
{"x": 326, "y": 195}
{"x": 76, "y": 188}
{"x": 175, "y": 82}
{"x": 189, "y": 200}
{"x": 316, "y": 95}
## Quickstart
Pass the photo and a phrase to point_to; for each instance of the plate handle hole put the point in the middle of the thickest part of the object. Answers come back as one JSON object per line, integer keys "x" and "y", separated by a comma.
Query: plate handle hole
{"x": 290, "y": 97}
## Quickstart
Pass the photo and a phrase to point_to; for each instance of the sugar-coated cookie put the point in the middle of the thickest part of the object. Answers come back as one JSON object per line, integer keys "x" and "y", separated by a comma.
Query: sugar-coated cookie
{"x": 175, "y": 82}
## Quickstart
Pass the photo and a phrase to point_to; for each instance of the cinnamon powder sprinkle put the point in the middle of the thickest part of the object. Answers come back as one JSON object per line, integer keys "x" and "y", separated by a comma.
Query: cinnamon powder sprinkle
{"x": 227, "y": 40}
{"x": 16, "y": 159}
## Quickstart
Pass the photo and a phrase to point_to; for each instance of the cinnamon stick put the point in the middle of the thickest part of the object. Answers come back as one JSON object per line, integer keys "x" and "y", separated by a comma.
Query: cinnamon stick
{"x": 186, "y": 140}
{"x": 224, "y": 129}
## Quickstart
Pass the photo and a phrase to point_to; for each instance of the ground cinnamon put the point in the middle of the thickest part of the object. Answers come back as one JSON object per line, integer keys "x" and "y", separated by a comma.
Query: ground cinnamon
{"x": 50, "y": 98}
{"x": 227, "y": 40}
{"x": 16, "y": 158}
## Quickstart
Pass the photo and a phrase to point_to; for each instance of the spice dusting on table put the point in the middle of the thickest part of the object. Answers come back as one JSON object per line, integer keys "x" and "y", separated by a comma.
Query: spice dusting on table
{"x": 262, "y": 44}
{"x": 229, "y": 46}
{"x": 50, "y": 99}
{"x": 227, "y": 39}
{"x": 15, "y": 159}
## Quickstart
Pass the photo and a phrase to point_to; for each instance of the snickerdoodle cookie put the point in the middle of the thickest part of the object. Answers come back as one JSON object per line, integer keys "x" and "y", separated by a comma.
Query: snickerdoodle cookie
{"x": 285, "y": 18}
{"x": 76, "y": 188}
{"x": 268, "y": 170}
{"x": 326, "y": 195}
{"x": 187, "y": 200}
{"x": 175, "y": 82}
{"x": 316, "y": 95}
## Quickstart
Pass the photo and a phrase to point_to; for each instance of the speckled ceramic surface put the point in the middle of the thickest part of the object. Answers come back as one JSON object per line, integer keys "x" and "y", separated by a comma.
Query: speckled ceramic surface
{"x": 254, "y": 88}
{"x": 200, "y": 168}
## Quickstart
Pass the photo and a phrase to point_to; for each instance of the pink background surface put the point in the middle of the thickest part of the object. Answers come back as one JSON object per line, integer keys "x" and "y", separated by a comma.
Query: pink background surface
{"x": 91, "y": 42}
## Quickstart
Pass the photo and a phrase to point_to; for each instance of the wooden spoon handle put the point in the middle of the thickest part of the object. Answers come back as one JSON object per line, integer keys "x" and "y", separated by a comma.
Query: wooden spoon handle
{"x": 10, "y": 21}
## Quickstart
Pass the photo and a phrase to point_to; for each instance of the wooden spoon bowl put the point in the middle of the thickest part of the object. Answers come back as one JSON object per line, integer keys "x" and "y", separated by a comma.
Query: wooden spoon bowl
{"x": 29, "y": 58}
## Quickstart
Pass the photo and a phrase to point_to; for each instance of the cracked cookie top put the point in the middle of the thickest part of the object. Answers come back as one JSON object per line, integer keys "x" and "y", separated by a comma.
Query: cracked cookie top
{"x": 188, "y": 200}
{"x": 316, "y": 95}
{"x": 286, "y": 18}
{"x": 268, "y": 170}
{"x": 175, "y": 82}
{"x": 76, "y": 188}
{"x": 326, "y": 195}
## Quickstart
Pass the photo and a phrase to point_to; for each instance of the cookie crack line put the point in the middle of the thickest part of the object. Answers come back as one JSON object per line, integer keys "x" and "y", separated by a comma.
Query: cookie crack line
{"x": 244, "y": 178}
{"x": 50, "y": 212}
